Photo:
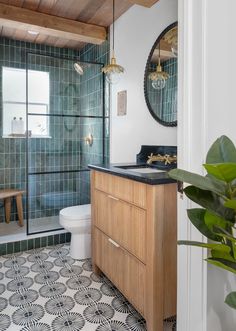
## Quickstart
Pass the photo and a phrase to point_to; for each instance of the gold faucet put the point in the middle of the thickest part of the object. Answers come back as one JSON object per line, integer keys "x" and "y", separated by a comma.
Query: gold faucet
{"x": 162, "y": 158}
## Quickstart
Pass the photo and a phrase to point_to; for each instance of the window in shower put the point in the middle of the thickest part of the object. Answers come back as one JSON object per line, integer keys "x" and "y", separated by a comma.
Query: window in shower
{"x": 14, "y": 104}
{"x": 57, "y": 168}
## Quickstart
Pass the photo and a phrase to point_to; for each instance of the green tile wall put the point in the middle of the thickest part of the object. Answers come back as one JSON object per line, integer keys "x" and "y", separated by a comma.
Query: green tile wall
{"x": 164, "y": 102}
{"x": 70, "y": 94}
{"x": 24, "y": 245}
{"x": 100, "y": 54}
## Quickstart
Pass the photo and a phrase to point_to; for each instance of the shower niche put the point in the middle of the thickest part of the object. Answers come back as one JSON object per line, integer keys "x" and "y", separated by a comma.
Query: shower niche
{"x": 60, "y": 115}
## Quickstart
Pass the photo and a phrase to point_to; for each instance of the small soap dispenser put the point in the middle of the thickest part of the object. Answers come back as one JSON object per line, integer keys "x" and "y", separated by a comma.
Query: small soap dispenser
{"x": 14, "y": 125}
{"x": 21, "y": 126}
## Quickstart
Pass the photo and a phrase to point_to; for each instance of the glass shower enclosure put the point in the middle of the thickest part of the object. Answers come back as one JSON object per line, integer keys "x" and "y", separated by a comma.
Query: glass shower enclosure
{"x": 67, "y": 127}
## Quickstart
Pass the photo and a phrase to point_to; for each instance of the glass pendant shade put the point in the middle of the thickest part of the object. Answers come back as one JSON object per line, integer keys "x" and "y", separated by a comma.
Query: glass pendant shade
{"x": 112, "y": 78}
{"x": 113, "y": 70}
{"x": 159, "y": 83}
{"x": 158, "y": 77}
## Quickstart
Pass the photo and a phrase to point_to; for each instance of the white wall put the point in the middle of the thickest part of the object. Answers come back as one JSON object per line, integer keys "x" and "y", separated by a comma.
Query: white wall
{"x": 221, "y": 119}
{"x": 135, "y": 33}
{"x": 207, "y": 110}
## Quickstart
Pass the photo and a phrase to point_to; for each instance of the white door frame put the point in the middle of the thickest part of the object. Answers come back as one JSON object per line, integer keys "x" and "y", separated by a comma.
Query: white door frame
{"x": 192, "y": 270}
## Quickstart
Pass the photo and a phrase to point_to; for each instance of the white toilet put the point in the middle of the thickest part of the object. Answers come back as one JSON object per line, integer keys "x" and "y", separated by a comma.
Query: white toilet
{"x": 77, "y": 220}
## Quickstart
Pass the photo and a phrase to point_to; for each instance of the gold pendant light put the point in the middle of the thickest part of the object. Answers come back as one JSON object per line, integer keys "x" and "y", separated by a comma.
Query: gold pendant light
{"x": 158, "y": 77}
{"x": 113, "y": 70}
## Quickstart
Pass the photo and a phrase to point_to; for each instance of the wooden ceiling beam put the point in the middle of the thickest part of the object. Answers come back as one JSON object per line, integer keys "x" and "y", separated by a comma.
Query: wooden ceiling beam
{"x": 25, "y": 19}
{"x": 145, "y": 3}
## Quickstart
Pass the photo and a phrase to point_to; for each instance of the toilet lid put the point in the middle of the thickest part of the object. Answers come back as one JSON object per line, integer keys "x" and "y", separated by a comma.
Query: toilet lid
{"x": 81, "y": 212}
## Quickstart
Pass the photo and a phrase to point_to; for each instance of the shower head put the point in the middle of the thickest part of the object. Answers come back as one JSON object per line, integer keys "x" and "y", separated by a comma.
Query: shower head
{"x": 78, "y": 68}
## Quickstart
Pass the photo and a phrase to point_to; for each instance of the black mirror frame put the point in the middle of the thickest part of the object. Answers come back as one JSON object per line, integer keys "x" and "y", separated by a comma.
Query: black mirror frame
{"x": 171, "y": 26}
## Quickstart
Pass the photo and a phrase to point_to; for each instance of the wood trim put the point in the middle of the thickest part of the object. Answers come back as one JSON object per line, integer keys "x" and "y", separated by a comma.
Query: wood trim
{"x": 25, "y": 19}
{"x": 144, "y": 3}
{"x": 126, "y": 272}
{"x": 93, "y": 250}
{"x": 156, "y": 238}
{"x": 170, "y": 250}
{"x": 122, "y": 188}
{"x": 123, "y": 222}
{"x": 154, "y": 282}
{"x": 161, "y": 282}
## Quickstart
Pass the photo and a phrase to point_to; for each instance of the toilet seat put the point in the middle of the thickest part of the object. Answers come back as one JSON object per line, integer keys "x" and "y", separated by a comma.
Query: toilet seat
{"x": 76, "y": 213}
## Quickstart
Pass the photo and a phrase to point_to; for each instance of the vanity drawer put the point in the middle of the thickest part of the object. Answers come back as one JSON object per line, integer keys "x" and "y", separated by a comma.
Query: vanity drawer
{"x": 124, "y": 270}
{"x": 121, "y": 188}
{"x": 123, "y": 222}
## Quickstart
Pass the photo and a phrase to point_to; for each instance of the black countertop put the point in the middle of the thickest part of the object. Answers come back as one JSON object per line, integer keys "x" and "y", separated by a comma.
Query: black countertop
{"x": 147, "y": 178}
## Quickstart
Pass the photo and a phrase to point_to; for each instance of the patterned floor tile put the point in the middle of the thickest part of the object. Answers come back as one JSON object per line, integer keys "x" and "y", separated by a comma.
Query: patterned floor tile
{"x": 47, "y": 290}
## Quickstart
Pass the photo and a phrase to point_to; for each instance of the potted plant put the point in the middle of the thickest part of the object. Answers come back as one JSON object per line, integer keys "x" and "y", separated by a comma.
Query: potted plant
{"x": 215, "y": 193}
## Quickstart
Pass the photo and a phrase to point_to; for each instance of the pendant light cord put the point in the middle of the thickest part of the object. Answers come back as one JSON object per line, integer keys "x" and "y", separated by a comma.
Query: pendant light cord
{"x": 113, "y": 41}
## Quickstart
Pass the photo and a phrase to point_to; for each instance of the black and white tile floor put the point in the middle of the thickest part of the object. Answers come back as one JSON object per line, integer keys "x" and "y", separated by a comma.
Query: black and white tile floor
{"x": 46, "y": 290}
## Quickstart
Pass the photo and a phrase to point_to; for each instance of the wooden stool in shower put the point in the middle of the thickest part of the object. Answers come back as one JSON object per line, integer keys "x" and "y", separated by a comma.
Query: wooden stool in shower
{"x": 7, "y": 195}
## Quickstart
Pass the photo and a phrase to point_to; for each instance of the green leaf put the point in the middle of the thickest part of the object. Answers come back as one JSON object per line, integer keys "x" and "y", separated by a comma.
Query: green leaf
{"x": 197, "y": 218}
{"x": 222, "y": 254}
{"x": 230, "y": 204}
{"x": 199, "y": 181}
{"x": 222, "y": 171}
{"x": 224, "y": 234}
{"x": 227, "y": 238}
{"x": 223, "y": 264}
{"x": 212, "y": 220}
{"x": 216, "y": 247}
{"x": 222, "y": 150}
{"x": 230, "y": 300}
{"x": 217, "y": 250}
{"x": 210, "y": 201}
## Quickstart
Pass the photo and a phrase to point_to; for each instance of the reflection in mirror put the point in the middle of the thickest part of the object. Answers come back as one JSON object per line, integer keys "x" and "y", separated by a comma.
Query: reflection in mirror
{"x": 160, "y": 82}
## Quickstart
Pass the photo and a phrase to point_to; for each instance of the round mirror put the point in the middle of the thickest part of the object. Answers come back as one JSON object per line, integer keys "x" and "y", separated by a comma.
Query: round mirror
{"x": 160, "y": 80}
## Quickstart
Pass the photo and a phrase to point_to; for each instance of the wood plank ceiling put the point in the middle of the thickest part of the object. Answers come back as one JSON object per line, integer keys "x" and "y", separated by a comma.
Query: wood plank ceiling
{"x": 97, "y": 12}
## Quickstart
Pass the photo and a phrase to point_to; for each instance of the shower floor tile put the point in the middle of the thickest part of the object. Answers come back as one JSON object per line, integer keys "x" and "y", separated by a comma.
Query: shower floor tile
{"x": 13, "y": 232}
{"x": 46, "y": 290}
{"x": 44, "y": 224}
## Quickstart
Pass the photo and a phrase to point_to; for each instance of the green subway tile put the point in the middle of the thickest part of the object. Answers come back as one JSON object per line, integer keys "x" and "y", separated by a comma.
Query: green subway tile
{"x": 16, "y": 246}
{"x": 44, "y": 242}
{"x": 68, "y": 237}
{"x": 37, "y": 242}
{"x": 9, "y": 248}
{"x": 56, "y": 239}
{"x": 64, "y": 87}
{"x": 24, "y": 245}
{"x": 62, "y": 238}
{"x": 50, "y": 241}
{"x": 30, "y": 244}
{"x": 3, "y": 249}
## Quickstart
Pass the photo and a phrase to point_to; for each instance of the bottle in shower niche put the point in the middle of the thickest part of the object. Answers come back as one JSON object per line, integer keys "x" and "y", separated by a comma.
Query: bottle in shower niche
{"x": 14, "y": 125}
{"x": 21, "y": 126}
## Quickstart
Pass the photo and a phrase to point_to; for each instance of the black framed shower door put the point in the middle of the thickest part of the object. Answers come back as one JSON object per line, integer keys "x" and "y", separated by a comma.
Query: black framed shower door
{"x": 57, "y": 155}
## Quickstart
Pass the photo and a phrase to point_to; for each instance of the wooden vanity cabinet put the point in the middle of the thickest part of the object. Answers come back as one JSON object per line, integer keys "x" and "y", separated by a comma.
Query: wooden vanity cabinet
{"x": 134, "y": 242}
